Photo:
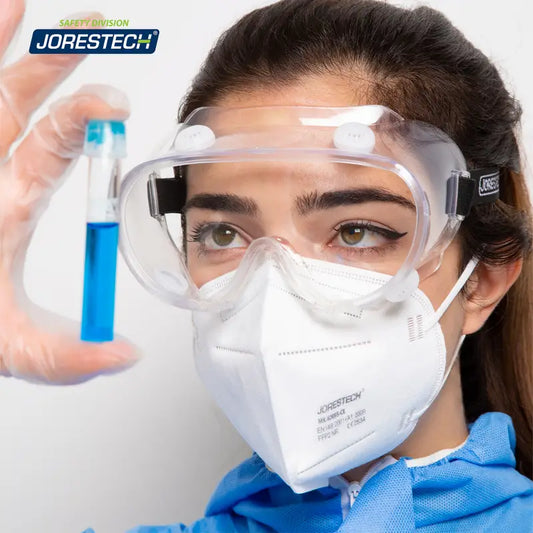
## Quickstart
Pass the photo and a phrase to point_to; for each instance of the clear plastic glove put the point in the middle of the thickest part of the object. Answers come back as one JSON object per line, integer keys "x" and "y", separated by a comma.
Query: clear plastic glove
{"x": 35, "y": 344}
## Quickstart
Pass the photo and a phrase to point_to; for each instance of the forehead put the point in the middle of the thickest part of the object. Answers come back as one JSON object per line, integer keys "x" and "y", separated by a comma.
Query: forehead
{"x": 279, "y": 182}
{"x": 320, "y": 90}
{"x": 333, "y": 90}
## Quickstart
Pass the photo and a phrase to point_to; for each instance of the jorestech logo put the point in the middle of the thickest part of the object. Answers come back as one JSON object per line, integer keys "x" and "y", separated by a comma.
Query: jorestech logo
{"x": 93, "y": 40}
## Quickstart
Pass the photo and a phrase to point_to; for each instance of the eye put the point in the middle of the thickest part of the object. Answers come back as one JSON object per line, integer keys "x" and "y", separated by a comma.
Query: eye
{"x": 352, "y": 235}
{"x": 364, "y": 235}
{"x": 223, "y": 236}
{"x": 218, "y": 236}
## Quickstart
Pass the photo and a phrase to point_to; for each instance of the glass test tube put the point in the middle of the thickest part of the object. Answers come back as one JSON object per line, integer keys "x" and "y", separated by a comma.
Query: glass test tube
{"x": 105, "y": 144}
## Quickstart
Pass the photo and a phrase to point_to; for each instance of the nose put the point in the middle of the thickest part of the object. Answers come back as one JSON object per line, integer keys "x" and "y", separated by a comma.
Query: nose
{"x": 279, "y": 244}
{"x": 281, "y": 240}
{"x": 284, "y": 242}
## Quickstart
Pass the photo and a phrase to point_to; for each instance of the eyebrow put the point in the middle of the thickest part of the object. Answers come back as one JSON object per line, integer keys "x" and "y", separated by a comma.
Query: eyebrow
{"x": 231, "y": 203}
{"x": 314, "y": 201}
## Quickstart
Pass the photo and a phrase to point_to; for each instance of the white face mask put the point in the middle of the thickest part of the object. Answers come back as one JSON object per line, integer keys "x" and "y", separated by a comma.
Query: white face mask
{"x": 315, "y": 394}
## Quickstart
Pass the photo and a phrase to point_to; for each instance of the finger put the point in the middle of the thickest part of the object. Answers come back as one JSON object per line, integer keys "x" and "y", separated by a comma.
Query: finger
{"x": 47, "y": 151}
{"x": 39, "y": 164}
{"x": 44, "y": 357}
{"x": 11, "y": 13}
{"x": 25, "y": 84}
{"x": 41, "y": 346}
{"x": 93, "y": 359}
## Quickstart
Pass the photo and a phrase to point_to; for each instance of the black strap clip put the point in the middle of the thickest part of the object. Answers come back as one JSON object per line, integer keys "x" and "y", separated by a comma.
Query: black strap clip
{"x": 166, "y": 195}
{"x": 467, "y": 189}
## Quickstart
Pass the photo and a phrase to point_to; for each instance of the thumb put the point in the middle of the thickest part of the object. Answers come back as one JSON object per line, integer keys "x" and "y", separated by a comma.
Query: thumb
{"x": 55, "y": 359}
{"x": 93, "y": 359}
{"x": 44, "y": 347}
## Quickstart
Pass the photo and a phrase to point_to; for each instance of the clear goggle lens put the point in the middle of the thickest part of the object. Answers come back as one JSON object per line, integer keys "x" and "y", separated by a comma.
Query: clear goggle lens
{"x": 300, "y": 186}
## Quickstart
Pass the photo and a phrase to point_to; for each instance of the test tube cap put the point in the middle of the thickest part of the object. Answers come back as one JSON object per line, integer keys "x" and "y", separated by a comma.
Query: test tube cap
{"x": 105, "y": 138}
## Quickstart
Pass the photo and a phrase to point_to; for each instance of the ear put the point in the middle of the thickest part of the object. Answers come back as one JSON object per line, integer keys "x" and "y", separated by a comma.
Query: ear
{"x": 488, "y": 285}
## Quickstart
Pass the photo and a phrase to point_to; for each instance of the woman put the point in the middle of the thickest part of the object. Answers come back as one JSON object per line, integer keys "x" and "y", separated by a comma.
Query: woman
{"x": 441, "y": 412}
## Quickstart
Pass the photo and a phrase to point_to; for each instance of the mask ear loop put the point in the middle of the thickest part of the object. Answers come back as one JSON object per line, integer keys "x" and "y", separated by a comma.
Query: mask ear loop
{"x": 456, "y": 289}
{"x": 461, "y": 282}
{"x": 463, "y": 278}
{"x": 452, "y": 360}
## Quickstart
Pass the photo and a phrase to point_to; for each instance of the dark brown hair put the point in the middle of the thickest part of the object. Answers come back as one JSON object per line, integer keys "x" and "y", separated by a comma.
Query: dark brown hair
{"x": 417, "y": 63}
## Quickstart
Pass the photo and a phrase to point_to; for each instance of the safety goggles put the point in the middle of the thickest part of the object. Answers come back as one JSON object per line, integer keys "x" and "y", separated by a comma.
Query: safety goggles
{"x": 306, "y": 187}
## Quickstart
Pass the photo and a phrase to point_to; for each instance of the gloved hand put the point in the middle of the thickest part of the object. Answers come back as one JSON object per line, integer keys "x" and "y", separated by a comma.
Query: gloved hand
{"x": 36, "y": 344}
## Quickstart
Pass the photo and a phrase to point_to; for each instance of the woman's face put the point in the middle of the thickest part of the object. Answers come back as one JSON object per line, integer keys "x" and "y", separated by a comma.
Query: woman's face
{"x": 341, "y": 213}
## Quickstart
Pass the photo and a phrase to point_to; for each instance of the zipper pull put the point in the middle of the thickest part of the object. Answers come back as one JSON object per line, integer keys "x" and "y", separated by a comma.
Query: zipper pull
{"x": 353, "y": 491}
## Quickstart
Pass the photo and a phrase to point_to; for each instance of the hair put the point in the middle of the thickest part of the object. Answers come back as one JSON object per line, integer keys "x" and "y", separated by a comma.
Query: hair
{"x": 417, "y": 63}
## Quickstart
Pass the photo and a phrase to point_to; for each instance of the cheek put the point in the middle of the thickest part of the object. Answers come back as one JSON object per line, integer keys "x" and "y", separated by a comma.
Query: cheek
{"x": 202, "y": 268}
{"x": 199, "y": 272}
{"x": 198, "y": 275}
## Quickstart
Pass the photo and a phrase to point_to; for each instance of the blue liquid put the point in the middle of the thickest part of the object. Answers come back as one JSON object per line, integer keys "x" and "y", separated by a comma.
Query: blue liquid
{"x": 99, "y": 281}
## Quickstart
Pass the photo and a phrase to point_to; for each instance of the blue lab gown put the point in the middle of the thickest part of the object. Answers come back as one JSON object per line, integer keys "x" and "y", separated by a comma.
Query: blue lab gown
{"x": 473, "y": 489}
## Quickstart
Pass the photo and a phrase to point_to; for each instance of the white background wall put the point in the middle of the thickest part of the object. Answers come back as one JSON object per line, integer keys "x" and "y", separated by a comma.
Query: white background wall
{"x": 148, "y": 446}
